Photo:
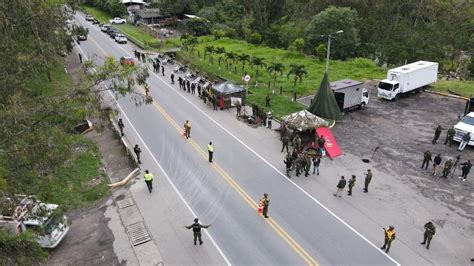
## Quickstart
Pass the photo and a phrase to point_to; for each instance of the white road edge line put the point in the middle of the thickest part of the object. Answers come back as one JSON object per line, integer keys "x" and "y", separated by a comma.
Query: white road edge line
{"x": 163, "y": 171}
{"x": 274, "y": 168}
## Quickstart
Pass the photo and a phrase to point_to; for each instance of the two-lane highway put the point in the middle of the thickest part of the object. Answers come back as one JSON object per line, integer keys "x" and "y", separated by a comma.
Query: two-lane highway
{"x": 225, "y": 193}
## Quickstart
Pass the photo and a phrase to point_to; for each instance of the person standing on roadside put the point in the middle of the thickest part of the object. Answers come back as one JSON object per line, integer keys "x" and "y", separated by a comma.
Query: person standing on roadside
{"x": 426, "y": 159}
{"x": 447, "y": 167}
{"x": 149, "y": 180}
{"x": 137, "y": 152}
{"x": 210, "y": 150}
{"x": 340, "y": 187}
{"x": 269, "y": 119}
{"x": 267, "y": 100}
{"x": 196, "y": 226}
{"x": 465, "y": 169}
{"x": 465, "y": 140}
{"x": 163, "y": 70}
{"x": 316, "y": 162}
{"x": 430, "y": 230}
{"x": 436, "y": 162}
{"x": 80, "y": 58}
{"x": 351, "y": 185}
{"x": 265, "y": 202}
{"x": 121, "y": 126}
{"x": 436, "y": 134}
{"x": 172, "y": 78}
{"x": 449, "y": 136}
{"x": 389, "y": 237}
{"x": 187, "y": 129}
{"x": 284, "y": 142}
{"x": 368, "y": 178}
{"x": 288, "y": 162}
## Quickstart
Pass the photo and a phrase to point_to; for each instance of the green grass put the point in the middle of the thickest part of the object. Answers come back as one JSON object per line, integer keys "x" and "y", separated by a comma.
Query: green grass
{"x": 69, "y": 186}
{"x": 464, "y": 88}
{"x": 357, "y": 69}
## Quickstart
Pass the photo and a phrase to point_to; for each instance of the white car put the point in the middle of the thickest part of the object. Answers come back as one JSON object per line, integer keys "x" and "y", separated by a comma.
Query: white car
{"x": 117, "y": 20}
{"x": 120, "y": 38}
{"x": 89, "y": 18}
{"x": 464, "y": 126}
{"x": 104, "y": 27}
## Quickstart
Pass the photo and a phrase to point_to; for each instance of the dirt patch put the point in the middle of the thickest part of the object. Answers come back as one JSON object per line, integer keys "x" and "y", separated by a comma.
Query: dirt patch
{"x": 403, "y": 130}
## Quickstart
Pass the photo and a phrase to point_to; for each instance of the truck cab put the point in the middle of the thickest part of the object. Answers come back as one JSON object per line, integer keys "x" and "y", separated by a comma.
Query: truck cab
{"x": 388, "y": 89}
{"x": 45, "y": 220}
{"x": 464, "y": 126}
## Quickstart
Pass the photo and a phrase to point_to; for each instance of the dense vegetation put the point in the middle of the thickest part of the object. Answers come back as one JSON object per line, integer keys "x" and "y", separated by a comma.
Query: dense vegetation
{"x": 388, "y": 31}
{"x": 40, "y": 154}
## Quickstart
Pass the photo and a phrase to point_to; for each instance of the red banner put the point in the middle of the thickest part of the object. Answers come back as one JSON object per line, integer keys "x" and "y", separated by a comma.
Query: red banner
{"x": 330, "y": 143}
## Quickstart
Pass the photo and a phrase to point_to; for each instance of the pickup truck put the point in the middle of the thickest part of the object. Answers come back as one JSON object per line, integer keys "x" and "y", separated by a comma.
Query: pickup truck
{"x": 466, "y": 125}
{"x": 117, "y": 20}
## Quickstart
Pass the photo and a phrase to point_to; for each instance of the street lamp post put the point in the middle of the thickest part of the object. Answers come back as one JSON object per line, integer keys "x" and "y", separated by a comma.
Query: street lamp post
{"x": 329, "y": 48}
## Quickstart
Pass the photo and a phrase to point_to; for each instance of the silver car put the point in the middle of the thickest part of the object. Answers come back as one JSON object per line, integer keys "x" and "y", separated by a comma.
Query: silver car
{"x": 120, "y": 38}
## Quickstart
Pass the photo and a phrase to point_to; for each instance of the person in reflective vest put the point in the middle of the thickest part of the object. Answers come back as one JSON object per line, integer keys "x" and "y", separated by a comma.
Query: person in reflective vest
{"x": 210, "y": 149}
{"x": 149, "y": 180}
{"x": 196, "y": 226}
{"x": 389, "y": 237}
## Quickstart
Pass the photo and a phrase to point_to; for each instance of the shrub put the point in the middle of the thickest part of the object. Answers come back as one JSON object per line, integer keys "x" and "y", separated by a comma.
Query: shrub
{"x": 255, "y": 38}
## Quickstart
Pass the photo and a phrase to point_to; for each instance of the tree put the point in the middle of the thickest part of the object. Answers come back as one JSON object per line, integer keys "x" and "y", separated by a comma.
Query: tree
{"x": 198, "y": 26}
{"x": 243, "y": 58}
{"x": 298, "y": 71}
{"x": 330, "y": 20}
{"x": 220, "y": 51}
{"x": 230, "y": 58}
{"x": 320, "y": 52}
{"x": 209, "y": 50}
{"x": 255, "y": 38}
{"x": 257, "y": 62}
{"x": 274, "y": 69}
{"x": 298, "y": 44}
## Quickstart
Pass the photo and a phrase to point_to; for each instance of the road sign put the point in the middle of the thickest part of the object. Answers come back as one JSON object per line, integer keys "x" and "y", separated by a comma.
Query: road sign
{"x": 247, "y": 78}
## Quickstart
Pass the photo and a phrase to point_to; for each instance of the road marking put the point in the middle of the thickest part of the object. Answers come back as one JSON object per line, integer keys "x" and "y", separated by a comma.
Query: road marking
{"x": 273, "y": 167}
{"x": 166, "y": 175}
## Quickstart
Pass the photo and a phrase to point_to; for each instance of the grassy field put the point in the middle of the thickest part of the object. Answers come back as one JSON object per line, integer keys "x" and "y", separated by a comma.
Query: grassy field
{"x": 74, "y": 184}
{"x": 464, "y": 88}
{"x": 357, "y": 69}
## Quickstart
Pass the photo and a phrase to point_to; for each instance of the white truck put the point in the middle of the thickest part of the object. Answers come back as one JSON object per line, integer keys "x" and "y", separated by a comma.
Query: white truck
{"x": 408, "y": 78}
{"x": 350, "y": 94}
{"x": 43, "y": 219}
{"x": 466, "y": 125}
{"x": 117, "y": 20}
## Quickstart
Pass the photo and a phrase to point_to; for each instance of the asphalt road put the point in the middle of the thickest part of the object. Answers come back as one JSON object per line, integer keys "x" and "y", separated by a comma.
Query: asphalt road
{"x": 225, "y": 193}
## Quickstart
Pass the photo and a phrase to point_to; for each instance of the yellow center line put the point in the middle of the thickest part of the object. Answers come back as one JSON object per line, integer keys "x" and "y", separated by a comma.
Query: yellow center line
{"x": 247, "y": 198}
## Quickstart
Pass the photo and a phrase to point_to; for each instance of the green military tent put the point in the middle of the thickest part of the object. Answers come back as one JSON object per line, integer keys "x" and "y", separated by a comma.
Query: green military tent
{"x": 324, "y": 103}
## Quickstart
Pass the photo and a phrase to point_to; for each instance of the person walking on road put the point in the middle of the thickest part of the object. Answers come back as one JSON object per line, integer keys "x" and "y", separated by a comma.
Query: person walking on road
{"x": 210, "y": 149}
{"x": 269, "y": 119}
{"x": 149, "y": 180}
{"x": 368, "y": 178}
{"x": 163, "y": 70}
{"x": 340, "y": 187}
{"x": 449, "y": 136}
{"x": 121, "y": 126}
{"x": 436, "y": 134}
{"x": 316, "y": 162}
{"x": 351, "y": 185}
{"x": 430, "y": 230}
{"x": 196, "y": 226}
{"x": 288, "y": 162}
{"x": 137, "y": 152}
{"x": 187, "y": 129}
{"x": 465, "y": 140}
{"x": 80, "y": 58}
{"x": 172, "y": 78}
{"x": 389, "y": 237}
{"x": 436, "y": 162}
{"x": 465, "y": 169}
{"x": 426, "y": 159}
{"x": 265, "y": 201}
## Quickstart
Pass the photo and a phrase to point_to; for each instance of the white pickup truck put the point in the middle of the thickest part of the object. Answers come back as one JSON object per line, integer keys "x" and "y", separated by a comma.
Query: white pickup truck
{"x": 117, "y": 20}
{"x": 464, "y": 126}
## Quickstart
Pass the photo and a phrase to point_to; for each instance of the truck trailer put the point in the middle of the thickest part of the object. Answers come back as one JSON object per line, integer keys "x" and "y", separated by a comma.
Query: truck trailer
{"x": 408, "y": 78}
{"x": 349, "y": 94}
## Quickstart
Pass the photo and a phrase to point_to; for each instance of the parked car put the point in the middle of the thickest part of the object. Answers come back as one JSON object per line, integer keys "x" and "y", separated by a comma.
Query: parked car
{"x": 82, "y": 37}
{"x": 120, "y": 38}
{"x": 95, "y": 21}
{"x": 127, "y": 60}
{"x": 89, "y": 18}
{"x": 104, "y": 27}
{"x": 117, "y": 20}
{"x": 466, "y": 125}
{"x": 111, "y": 32}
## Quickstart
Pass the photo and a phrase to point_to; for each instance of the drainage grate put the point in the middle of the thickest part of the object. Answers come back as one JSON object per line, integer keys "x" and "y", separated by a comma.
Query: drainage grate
{"x": 138, "y": 233}
{"x": 125, "y": 203}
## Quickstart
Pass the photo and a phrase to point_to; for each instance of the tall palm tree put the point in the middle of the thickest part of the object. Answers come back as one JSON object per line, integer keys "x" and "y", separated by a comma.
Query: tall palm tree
{"x": 257, "y": 62}
{"x": 275, "y": 68}
{"x": 298, "y": 71}
{"x": 243, "y": 58}
{"x": 220, "y": 51}
{"x": 230, "y": 58}
{"x": 209, "y": 50}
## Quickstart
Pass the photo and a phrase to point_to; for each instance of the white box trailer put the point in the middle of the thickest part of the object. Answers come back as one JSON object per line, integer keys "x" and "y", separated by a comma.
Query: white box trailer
{"x": 349, "y": 94}
{"x": 412, "y": 77}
